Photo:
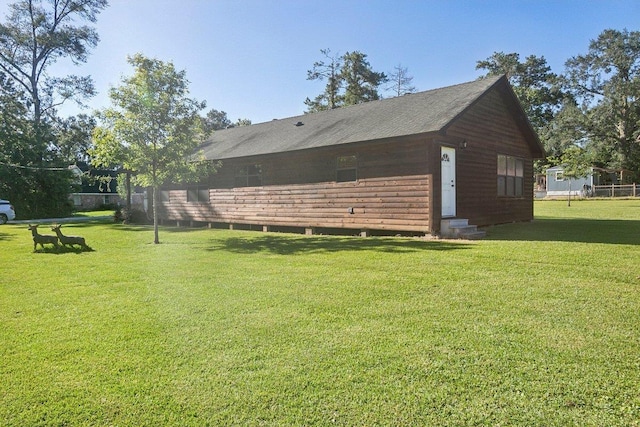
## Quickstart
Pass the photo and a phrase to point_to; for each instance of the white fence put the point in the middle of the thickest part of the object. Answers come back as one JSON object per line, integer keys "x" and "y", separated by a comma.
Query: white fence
{"x": 630, "y": 190}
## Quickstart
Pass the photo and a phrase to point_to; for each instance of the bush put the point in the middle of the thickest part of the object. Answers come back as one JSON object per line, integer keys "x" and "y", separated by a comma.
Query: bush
{"x": 130, "y": 216}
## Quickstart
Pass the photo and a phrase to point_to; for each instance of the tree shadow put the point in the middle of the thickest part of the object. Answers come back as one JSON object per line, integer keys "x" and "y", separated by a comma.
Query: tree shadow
{"x": 6, "y": 237}
{"x": 578, "y": 230}
{"x": 290, "y": 245}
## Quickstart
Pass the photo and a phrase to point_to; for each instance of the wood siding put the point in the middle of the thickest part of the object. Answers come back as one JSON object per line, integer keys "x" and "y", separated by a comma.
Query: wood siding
{"x": 299, "y": 189}
{"x": 489, "y": 129}
{"x": 398, "y": 182}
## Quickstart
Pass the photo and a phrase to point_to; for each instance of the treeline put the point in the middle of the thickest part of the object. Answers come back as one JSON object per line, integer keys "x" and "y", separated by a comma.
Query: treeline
{"x": 590, "y": 113}
{"x": 37, "y": 146}
{"x": 350, "y": 80}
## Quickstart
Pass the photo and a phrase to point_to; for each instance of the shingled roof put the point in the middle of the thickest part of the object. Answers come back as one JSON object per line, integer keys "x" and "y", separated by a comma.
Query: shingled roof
{"x": 418, "y": 113}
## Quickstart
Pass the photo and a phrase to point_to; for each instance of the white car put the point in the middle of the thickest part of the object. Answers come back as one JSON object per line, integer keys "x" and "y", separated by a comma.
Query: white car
{"x": 7, "y": 213}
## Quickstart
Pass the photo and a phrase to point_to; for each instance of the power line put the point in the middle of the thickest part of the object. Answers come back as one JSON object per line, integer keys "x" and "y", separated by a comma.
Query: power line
{"x": 33, "y": 167}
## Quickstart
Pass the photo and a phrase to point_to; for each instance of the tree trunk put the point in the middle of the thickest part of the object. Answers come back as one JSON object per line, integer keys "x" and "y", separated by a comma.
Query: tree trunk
{"x": 128, "y": 185}
{"x": 154, "y": 198}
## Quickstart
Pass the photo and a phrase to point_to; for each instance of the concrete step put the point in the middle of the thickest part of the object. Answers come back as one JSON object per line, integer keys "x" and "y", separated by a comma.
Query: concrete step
{"x": 454, "y": 222}
{"x": 459, "y": 228}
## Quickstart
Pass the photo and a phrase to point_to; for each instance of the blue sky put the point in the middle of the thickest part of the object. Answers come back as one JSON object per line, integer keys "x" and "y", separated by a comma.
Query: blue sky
{"x": 250, "y": 57}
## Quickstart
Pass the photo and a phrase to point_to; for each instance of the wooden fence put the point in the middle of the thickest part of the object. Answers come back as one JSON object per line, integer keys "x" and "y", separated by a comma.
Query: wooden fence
{"x": 630, "y": 190}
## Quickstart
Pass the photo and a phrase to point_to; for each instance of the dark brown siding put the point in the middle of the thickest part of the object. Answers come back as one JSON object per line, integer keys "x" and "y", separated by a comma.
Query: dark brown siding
{"x": 392, "y": 192}
{"x": 490, "y": 129}
{"x": 398, "y": 183}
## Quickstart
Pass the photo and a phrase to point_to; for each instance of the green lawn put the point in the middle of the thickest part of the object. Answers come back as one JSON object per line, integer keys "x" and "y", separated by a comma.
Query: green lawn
{"x": 538, "y": 324}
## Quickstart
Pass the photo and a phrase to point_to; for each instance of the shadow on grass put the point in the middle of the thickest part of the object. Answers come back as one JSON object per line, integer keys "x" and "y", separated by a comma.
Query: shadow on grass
{"x": 621, "y": 232}
{"x": 62, "y": 250}
{"x": 289, "y": 245}
{"x": 6, "y": 237}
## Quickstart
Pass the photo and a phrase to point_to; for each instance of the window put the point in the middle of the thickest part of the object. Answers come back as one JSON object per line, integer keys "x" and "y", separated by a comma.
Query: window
{"x": 510, "y": 176}
{"x": 197, "y": 194}
{"x": 165, "y": 196}
{"x": 560, "y": 176}
{"x": 347, "y": 169}
{"x": 249, "y": 176}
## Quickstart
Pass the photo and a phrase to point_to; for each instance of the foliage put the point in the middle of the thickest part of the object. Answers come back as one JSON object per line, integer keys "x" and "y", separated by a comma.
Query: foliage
{"x": 215, "y": 120}
{"x": 576, "y": 164}
{"x": 130, "y": 216}
{"x": 36, "y": 182}
{"x": 533, "y": 82}
{"x": 218, "y": 120}
{"x": 35, "y": 153}
{"x": 594, "y": 104}
{"x": 606, "y": 81}
{"x": 350, "y": 81}
{"x": 219, "y": 327}
{"x": 37, "y": 34}
{"x": 73, "y": 140}
{"x": 563, "y": 132}
{"x": 152, "y": 129}
{"x": 330, "y": 98}
{"x": 361, "y": 82}
{"x": 242, "y": 122}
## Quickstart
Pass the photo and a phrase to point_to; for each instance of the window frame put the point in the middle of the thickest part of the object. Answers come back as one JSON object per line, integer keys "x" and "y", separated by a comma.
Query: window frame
{"x": 347, "y": 168}
{"x": 510, "y": 176}
{"x": 249, "y": 175}
{"x": 198, "y": 194}
{"x": 165, "y": 195}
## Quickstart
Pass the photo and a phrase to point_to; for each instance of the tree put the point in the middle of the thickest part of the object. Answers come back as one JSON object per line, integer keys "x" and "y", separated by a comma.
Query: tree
{"x": 330, "y": 71}
{"x": 537, "y": 88}
{"x": 15, "y": 147}
{"x": 218, "y": 120}
{"x": 37, "y": 34}
{"x": 73, "y": 138}
{"x": 361, "y": 82}
{"x": 152, "y": 128}
{"x": 563, "y": 132}
{"x": 576, "y": 164}
{"x": 606, "y": 81}
{"x": 350, "y": 81}
{"x": 400, "y": 81}
{"x": 215, "y": 120}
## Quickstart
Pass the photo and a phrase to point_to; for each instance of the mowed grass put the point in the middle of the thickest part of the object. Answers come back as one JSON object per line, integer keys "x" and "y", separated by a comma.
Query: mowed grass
{"x": 538, "y": 324}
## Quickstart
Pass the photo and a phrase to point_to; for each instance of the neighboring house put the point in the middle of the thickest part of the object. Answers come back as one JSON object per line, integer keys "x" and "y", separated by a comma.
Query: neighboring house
{"x": 98, "y": 189}
{"x": 558, "y": 185}
{"x": 396, "y": 165}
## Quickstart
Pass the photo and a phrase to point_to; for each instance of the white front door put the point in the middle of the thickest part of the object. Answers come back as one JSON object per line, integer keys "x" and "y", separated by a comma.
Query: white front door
{"x": 448, "y": 174}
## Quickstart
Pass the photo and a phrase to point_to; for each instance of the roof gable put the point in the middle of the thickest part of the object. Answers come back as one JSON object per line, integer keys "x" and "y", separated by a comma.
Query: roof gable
{"x": 418, "y": 113}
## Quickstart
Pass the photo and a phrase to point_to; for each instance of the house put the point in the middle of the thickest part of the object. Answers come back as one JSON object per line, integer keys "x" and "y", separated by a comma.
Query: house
{"x": 405, "y": 164}
{"x": 98, "y": 189}
{"x": 560, "y": 186}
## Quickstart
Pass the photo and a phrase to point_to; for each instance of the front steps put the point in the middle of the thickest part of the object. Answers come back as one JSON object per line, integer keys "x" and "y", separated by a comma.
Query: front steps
{"x": 459, "y": 228}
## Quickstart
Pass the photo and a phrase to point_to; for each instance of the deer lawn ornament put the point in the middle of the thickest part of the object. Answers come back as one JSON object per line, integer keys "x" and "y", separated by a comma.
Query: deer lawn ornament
{"x": 69, "y": 240}
{"x": 41, "y": 239}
